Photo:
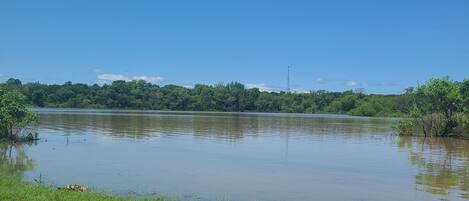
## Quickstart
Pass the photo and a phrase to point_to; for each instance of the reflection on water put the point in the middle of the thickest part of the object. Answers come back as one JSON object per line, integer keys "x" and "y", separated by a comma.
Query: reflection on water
{"x": 443, "y": 164}
{"x": 232, "y": 156}
{"x": 228, "y": 126}
{"x": 14, "y": 161}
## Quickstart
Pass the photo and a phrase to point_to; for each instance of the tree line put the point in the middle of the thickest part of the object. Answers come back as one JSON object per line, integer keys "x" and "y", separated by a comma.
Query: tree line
{"x": 231, "y": 97}
{"x": 440, "y": 107}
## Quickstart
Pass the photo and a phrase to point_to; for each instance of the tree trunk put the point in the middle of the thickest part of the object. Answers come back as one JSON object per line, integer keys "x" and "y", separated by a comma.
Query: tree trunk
{"x": 423, "y": 127}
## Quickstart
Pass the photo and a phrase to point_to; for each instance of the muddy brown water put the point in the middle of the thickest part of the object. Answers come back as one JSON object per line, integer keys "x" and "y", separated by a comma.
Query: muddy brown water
{"x": 239, "y": 157}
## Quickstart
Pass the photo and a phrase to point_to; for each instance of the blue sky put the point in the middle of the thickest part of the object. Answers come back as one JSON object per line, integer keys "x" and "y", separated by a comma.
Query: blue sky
{"x": 381, "y": 46}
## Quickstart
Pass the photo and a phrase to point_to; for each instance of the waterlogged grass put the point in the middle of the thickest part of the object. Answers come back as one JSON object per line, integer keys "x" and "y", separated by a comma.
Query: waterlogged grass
{"x": 14, "y": 190}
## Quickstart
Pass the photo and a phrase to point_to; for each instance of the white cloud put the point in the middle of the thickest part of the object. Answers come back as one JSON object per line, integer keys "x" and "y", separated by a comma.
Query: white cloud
{"x": 351, "y": 83}
{"x": 102, "y": 82}
{"x": 300, "y": 91}
{"x": 319, "y": 80}
{"x": 355, "y": 84}
{"x": 384, "y": 84}
{"x": 97, "y": 70}
{"x": 112, "y": 77}
{"x": 105, "y": 78}
{"x": 261, "y": 87}
{"x": 151, "y": 79}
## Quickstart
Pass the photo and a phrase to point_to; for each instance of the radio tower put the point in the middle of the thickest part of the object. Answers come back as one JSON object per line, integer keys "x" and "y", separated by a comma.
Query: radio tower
{"x": 288, "y": 80}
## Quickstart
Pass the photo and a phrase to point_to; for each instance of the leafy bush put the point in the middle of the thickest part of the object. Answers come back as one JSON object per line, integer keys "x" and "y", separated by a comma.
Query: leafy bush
{"x": 404, "y": 127}
{"x": 436, "y": 107}
{"x": 463, "y": 125}
{"x": 14, "y": 115}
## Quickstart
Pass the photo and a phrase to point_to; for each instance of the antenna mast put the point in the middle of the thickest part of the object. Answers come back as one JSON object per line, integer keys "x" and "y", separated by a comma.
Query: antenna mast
{"x": 288, "y": 80}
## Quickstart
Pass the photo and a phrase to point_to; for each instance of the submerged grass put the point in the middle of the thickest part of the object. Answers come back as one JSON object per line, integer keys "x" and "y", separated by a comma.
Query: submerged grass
{"x": 14, "y": 190}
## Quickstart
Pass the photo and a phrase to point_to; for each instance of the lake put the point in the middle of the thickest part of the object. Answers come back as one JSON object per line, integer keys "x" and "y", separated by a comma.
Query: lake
{"x": 239, "y": 157}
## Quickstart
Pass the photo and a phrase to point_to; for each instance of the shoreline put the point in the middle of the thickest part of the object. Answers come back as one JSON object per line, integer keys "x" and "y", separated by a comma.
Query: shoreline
{"x": 19, "y": 190}
{"x": 182, "y": 112}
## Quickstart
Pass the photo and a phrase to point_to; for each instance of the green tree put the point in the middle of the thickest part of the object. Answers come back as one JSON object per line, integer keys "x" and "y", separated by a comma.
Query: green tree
{"x": 204, "y": 98}
{"x": 345, "y": 103}
{"x": 38, "y": 98}
{"x": 439, "y": 108}
{"x": 13, "y": 85}
{"x": 438, "y": 101}
{"x": 464, "y": 91}
{"x": 14, "y": 115}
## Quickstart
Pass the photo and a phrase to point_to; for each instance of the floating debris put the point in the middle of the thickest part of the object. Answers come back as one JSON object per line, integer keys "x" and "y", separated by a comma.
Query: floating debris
{"x": 75, "y": 187}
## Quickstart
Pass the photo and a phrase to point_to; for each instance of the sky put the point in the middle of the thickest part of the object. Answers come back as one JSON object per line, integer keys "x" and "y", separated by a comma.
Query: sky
{"x": 379, "y": 46}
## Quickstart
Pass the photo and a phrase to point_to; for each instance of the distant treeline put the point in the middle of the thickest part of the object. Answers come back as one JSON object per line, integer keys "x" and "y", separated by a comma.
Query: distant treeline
{"x": 232, "y": 97}
{"x": 440, "y": 107}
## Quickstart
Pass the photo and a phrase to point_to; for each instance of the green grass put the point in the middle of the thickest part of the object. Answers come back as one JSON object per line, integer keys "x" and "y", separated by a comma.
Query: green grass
{"x": 14, "y": 190}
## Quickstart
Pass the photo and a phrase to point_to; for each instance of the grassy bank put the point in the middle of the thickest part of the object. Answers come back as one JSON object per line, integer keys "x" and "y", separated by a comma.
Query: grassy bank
{"x": 14, "y": 190}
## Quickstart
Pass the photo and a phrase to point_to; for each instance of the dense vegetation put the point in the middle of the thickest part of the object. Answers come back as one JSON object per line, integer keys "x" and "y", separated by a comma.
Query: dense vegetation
{"x": 440, "y": 107}
{"x": 232, "y": 97}
{"x": 14, "y": 116}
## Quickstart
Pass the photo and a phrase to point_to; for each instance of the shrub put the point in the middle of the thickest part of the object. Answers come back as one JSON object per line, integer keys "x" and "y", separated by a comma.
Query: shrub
{"x": 15, "y": 116}
{"x": 462, "y": 121}
{"x": 404, "y": 127}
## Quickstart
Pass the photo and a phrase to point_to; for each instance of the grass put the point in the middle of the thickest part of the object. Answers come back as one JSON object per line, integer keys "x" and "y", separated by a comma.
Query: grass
{"x": 14, "y": 190}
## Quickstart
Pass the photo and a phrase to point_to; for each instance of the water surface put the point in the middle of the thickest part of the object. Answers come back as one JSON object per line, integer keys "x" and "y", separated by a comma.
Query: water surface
{"x": 239, "y": 156}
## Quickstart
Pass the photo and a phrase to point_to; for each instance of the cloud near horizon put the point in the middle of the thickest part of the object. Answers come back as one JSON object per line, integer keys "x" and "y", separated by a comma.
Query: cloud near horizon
{"x": 355, "y": 84}
{"x": 261, "y": 87}
{"x": 351, "y": 83}
{"x": 300, "y": 91}
{"x": 152, "y": 79}
{"x": 320, "y": 80}
{"x": 104, "y": 78}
